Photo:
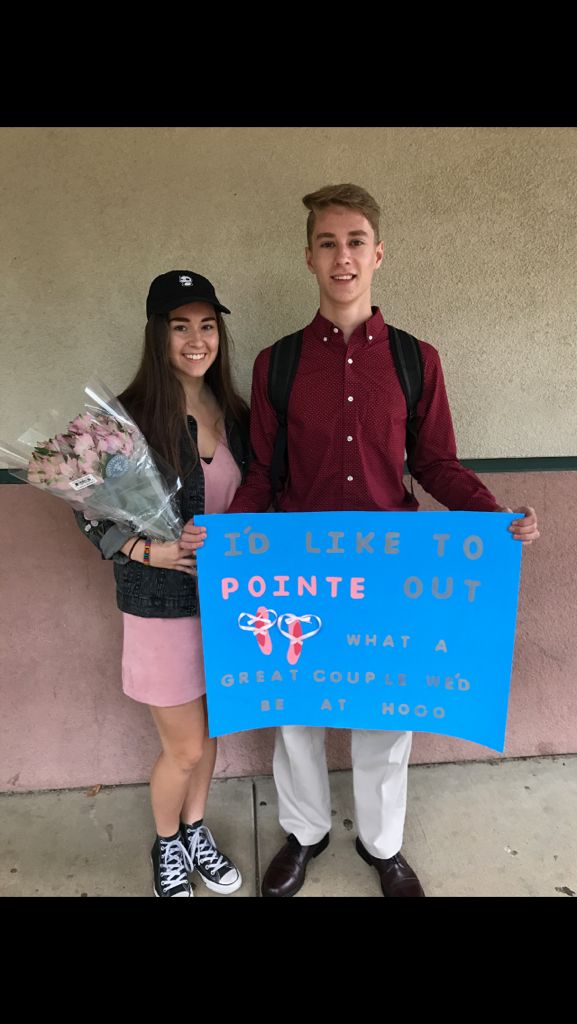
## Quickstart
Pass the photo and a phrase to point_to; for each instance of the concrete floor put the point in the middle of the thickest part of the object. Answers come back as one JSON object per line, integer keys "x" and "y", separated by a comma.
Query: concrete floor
{"x": 505, "y": 828}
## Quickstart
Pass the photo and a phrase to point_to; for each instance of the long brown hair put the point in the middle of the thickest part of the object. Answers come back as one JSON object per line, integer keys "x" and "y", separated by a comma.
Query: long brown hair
{"x": 155, "y": 398}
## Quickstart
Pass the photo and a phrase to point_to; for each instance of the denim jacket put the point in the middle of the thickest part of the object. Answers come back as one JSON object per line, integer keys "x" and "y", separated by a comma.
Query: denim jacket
{"x": 160, "y": 593}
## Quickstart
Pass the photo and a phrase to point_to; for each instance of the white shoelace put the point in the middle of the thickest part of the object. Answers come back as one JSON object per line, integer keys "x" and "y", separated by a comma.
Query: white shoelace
{"x": 248, "y": 622}
{"x": 174, "y": 863}
{"x": 203, "y": 850}
{"x": 287, "y": 621}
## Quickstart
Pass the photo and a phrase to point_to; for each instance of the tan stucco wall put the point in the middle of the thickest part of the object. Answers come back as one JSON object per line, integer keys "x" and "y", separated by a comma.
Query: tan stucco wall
{"x": 480, "y": 235}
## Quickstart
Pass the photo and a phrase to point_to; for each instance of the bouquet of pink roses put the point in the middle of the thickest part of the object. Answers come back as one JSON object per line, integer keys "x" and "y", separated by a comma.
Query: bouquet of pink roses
{"x": 82, "y": 456}
{"x": 102, "y": 465}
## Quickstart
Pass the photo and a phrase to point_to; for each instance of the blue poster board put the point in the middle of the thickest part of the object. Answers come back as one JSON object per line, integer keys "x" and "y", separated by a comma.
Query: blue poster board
{"x": 362, "y": 620}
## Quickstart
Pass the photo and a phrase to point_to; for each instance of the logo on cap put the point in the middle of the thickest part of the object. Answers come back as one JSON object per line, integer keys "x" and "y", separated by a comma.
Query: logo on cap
{"x": 185, "y": 280}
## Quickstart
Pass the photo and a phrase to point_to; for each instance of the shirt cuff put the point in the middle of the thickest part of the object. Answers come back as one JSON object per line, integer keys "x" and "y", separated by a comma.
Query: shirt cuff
{"x": 113, "y": 540}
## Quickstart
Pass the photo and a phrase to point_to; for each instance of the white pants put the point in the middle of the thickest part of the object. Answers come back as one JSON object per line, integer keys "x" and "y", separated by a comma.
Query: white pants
{"x": 380, "y": 762}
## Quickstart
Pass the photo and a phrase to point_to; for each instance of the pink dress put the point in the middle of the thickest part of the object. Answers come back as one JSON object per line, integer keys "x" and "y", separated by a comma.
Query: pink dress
{"x": 162, "y": 663}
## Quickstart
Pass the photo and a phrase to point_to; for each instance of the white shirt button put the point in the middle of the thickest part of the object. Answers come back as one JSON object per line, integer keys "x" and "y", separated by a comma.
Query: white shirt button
{"x": 349, "y": 438}
{"x": 349, "y": 360}
{"x": 349, "y": 478}
{"x": 325, "y": 339}
{"x": 335, "y": 330}
{"x": 350, "y": 398}
{"x": 370, "y": 337}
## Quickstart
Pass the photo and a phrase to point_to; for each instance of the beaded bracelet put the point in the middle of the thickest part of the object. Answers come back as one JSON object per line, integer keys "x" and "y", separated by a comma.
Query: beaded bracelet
{"x": 146, "y": 556}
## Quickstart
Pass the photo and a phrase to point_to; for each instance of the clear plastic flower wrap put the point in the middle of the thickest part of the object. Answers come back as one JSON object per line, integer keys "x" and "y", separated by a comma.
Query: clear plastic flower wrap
{"x": 101, "y": 465}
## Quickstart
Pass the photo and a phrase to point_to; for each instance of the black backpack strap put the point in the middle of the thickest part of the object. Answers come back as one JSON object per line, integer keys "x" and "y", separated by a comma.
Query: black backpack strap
{"x": 408, "y": 360}
{"x": 284, "y": 359}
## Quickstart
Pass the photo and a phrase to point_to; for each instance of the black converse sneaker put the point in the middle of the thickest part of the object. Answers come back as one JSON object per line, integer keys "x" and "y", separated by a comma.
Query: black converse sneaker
{"x": 217, "y": 871}
{"x": 171, "y": 862}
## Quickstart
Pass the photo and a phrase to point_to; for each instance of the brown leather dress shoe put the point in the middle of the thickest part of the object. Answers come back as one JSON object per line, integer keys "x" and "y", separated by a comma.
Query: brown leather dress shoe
{"x": 397, "y": 877}
{"x": 286, "y": 872}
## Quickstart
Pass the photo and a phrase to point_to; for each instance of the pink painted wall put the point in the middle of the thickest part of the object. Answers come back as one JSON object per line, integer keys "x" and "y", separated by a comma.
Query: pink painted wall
{"x": 65, "y": 722}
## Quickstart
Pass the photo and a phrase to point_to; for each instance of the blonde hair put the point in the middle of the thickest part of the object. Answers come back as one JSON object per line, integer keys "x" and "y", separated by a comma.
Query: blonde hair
{"x": 353, "y": 197}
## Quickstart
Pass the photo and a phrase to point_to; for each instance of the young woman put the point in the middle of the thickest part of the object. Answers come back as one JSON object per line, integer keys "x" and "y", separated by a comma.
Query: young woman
{"x": 184, "y": 401}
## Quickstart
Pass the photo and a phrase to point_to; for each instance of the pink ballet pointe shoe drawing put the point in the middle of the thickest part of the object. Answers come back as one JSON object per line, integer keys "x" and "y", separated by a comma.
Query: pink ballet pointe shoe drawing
{"x": 262, "y": 626}
{"x": 259, "y": 624}
{"x": 291, "y": 626}
{"x": 295, "y": 631}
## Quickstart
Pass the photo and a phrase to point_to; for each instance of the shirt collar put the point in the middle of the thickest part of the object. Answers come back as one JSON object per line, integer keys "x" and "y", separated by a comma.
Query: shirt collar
{"x": 325, "y": 331}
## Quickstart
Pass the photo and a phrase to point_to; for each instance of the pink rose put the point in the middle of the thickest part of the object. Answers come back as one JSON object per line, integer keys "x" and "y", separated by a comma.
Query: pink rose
{"x": 80, "y": 424}
{"x": 111, "y": 444}
{"x": 90, "y": 463}
{"x": 83, "y": 444}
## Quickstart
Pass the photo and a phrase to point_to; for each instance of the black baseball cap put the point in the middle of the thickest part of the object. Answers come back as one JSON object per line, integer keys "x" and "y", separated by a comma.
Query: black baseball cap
{"x": 178, "y": 288}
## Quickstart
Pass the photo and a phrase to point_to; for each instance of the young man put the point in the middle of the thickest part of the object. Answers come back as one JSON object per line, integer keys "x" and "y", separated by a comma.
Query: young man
{"x": 346, "y": 432}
